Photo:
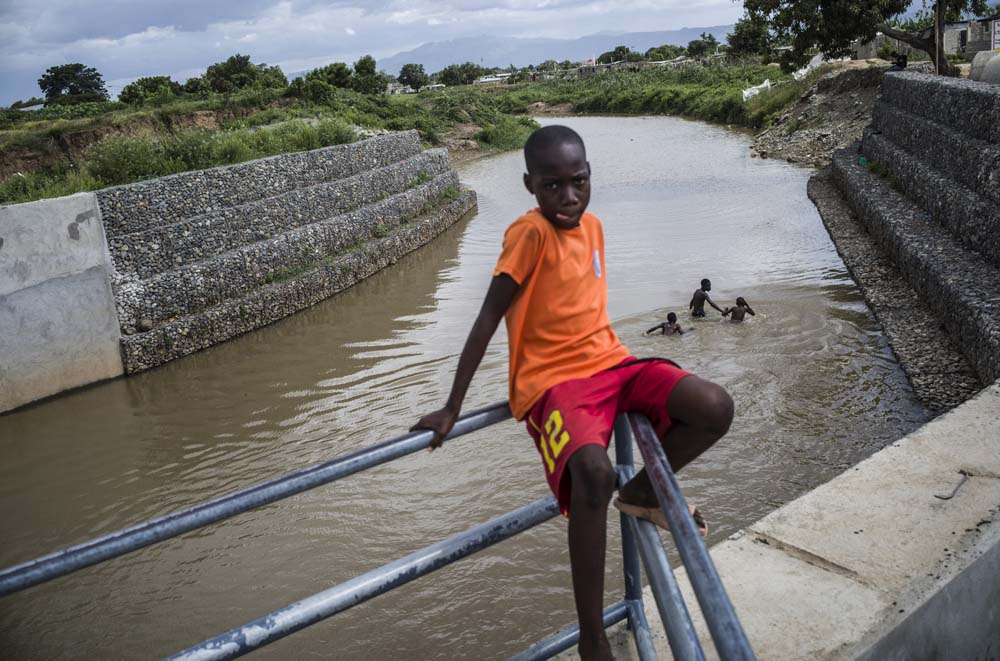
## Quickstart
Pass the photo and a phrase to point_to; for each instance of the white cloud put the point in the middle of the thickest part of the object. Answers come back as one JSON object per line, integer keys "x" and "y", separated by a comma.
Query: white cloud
{"x": 125, "y": 40}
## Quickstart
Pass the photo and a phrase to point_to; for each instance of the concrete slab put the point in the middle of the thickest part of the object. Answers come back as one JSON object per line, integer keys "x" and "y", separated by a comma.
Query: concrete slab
{"x": 880, "y": 520}
{"x": 832, "y": 614}
{"x": 49, "y": 239}
{"x": 58, "y": 323}
{"x": 961, "y": 621}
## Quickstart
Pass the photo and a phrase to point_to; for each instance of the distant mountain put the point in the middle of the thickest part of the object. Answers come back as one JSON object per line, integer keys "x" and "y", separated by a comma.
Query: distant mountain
{"x": 494, "y": 51}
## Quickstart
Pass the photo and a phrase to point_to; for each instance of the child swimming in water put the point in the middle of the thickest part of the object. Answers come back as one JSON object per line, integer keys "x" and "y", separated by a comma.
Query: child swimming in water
{"x": 669, "y": 327}
{"x": 700, "y": 297}
{"x": 739, "y": 312}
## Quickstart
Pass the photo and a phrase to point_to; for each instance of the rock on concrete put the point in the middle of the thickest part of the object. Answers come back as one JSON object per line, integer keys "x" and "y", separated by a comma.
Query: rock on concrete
{"x": 58, "y": 326}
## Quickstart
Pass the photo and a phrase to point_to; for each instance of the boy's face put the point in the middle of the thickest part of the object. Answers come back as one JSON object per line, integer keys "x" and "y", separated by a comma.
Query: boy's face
{"x": 560, "y": 181}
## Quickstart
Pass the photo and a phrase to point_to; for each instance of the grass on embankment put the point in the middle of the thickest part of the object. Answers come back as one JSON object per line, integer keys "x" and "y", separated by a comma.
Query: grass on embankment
{"x": 121, "y": 160}
{"x": 145, "y": 143}
{"x": 148, "y": 142}
{"x": 713, "y": 94}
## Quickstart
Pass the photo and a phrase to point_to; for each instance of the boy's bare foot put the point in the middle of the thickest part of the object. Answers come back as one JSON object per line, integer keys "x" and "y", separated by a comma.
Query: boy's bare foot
{"x": 655, "y": 515}
{"x": 596, "y": 650}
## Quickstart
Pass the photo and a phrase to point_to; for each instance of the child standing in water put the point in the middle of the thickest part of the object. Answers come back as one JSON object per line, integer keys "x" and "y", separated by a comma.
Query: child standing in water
{"x": 669, "y": 327}
{"x": 700, "y": 297}
{"x": 740, "y": 311}
{"x": 570, "y": 376}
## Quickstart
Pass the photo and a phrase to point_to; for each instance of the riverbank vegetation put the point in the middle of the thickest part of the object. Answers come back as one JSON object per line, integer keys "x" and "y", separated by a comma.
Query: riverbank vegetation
{"x": 244, "y": 111}
{"x": 709, "y": 93}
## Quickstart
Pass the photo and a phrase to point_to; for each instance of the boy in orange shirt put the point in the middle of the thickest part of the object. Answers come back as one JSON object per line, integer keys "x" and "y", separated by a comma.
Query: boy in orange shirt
{"x": 570, "y": 376}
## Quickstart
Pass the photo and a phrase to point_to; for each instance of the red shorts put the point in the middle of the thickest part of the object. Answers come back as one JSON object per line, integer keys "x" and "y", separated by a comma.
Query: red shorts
{"x": 582, "y": 412}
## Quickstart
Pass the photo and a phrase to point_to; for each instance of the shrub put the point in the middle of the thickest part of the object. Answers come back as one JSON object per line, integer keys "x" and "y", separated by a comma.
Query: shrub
{"x": 317, "y": 91}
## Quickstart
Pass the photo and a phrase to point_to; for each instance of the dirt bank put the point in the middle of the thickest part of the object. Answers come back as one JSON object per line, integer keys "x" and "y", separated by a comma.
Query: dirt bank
{"x": 827, "y": 117}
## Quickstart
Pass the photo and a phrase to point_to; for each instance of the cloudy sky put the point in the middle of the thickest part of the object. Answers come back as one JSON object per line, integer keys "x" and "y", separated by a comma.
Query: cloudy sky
{"x": 125, "y": 39}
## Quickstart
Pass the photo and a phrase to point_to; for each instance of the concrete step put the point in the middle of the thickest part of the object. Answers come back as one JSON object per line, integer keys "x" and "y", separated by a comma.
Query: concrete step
{"x": 272, "y": 302}
{"x": 966, "y": 106}
{"x": 960, "y": 286}
{"x": 973, "y": 219}
{"x": 199, "y": 286}
{"x": 164, "y": 248}
{"x": 973, "y": 163}
{"x": 167, "y": 200}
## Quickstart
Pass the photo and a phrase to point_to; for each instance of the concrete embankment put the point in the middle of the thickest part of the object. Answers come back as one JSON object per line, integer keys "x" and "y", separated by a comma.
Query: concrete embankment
{"x": 174, "y": 265}
{"x": 58, "y": 328}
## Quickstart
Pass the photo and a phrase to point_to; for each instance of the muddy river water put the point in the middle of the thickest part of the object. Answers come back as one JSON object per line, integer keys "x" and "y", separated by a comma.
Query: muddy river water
{"x": 815, "y": 385}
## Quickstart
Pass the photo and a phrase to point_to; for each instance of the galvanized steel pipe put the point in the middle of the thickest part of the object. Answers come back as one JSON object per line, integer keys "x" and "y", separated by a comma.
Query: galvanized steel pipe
{"x": 237, "y": 642}
{"x": 727, "y": 632}
{"x": 59, "y": 563}
{"x": 565, "y": 639}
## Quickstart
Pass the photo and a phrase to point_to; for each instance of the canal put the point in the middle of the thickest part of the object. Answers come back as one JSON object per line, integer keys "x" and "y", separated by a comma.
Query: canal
{"x": 815, "y": 385}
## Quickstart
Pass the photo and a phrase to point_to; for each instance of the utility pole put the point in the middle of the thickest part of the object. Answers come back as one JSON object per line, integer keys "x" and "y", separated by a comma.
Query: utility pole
{"x": 938, "y": 34}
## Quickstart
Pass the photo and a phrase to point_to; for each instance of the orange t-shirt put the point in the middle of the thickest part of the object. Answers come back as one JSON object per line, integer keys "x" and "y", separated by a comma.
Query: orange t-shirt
{"x": 557, "y": 324}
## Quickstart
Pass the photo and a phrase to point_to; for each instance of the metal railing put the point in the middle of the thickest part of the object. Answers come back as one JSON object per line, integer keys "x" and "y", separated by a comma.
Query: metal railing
{"x": 639, "y": 541}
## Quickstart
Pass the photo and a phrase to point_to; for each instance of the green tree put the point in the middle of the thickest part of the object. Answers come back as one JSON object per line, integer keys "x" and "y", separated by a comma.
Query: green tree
{"x": 337, "y": 74}
{"x": 270, "y": 77}
{"x": 451, "y": 75}
{"x": 366, "y": 79}
{"x": 619, "y": 54}
{"x": 235, "y": 73}
{"x": 832, "y": 25}
{"x": 318, "y": 91}
{"x": 238, "y": 72}
{"x": 413, "y": 75}
{"x": 72, "y": 80}
{"x": 750, "y": 36}
{"x": 296, "y": 88}
{"x": 664, "y": 52}
{"x": 196, "y": 86}
{"x": 33, "y": 101}
{"x": 460, "y": 74}
{"x": 142, "y": 90}
{"x": 698, "y": 48}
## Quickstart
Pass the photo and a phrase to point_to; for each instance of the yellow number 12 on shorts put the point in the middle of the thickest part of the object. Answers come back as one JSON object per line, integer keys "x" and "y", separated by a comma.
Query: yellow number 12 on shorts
{"x": 553, "y": 439}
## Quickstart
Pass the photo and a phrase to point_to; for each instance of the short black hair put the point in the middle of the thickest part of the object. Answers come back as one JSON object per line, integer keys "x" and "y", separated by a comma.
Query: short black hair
{"x": 705, "y": 282}
{"x": 671, "y": 317}
{"x": 546, "y": 138}
{"x": 742, "y": 301}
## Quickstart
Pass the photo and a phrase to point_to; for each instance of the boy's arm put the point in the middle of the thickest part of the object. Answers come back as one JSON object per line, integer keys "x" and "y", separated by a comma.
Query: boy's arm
{"x": 725, "y": 313}
{"x": 750, "y": 310}
{"x": 712, "y": 303}
{"x": 498, "y": 298}
{"x": 657, "y": 327}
